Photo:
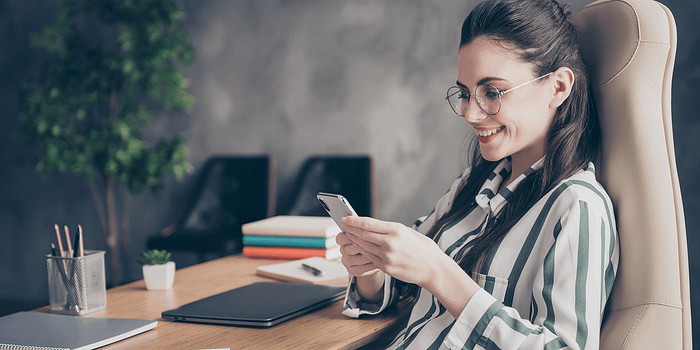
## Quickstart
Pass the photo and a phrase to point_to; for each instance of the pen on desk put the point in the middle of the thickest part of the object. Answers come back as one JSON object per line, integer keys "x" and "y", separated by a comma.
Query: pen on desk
{"x": 68, "y": 243}
{"x": 314, "y": 271}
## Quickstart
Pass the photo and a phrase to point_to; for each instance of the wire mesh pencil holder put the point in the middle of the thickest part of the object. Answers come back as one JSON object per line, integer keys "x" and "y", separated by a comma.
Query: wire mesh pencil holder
{"x": 77, "y": 285}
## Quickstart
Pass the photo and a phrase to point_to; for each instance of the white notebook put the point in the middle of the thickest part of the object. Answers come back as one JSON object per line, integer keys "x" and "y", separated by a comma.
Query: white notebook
{"x": 332, "y": 272}
{"x": 38, "y": 330}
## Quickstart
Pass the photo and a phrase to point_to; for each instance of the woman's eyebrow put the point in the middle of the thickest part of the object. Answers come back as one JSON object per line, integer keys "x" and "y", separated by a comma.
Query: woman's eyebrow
{"x": 482, "y": 81}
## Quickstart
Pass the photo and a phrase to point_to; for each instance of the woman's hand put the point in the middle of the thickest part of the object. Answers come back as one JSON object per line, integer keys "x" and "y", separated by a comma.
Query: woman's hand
{"x": 357, "y": 264}
{"x": 369, "y": 244}
{"x": 369, "y": 280}
{"x": 407, "y": 255}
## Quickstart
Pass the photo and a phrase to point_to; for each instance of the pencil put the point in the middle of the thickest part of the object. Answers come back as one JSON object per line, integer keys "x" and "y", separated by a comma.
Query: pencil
{"x": 60, "y": 247}
{"x": 70, "y": 245}
{"x": 60, "y": 241}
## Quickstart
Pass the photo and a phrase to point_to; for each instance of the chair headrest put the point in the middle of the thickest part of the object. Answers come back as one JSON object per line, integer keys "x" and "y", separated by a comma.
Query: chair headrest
{"x": 611, "y": 34}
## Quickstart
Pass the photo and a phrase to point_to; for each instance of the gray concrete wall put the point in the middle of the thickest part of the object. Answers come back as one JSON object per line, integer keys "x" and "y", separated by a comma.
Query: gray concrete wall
{"x": 291, "y": 79}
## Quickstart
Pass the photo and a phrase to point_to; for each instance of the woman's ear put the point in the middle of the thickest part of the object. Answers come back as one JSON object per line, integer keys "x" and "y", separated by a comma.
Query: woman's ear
{"x": 563, "y": 81}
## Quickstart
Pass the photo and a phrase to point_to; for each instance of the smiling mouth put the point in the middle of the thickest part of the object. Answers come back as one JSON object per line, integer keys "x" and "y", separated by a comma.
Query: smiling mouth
{"x": 487, "y": 133}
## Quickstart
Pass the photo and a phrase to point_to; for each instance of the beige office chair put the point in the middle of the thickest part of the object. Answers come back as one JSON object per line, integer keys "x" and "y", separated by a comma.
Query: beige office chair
{"x": 629, "y": 47}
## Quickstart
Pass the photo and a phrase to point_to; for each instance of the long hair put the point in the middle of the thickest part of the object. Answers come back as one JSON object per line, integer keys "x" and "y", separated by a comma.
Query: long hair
{"x": 540, "y": 33}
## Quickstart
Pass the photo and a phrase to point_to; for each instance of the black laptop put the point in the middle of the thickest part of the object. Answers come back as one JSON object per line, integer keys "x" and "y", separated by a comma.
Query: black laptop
{"x": 261, "y": 304}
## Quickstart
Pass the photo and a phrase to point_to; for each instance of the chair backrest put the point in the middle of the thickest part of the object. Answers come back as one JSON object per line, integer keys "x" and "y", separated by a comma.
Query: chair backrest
{"x": 231, "y": 191}
{"x": 629, "y": 47}
{"x": 349, "y": 175}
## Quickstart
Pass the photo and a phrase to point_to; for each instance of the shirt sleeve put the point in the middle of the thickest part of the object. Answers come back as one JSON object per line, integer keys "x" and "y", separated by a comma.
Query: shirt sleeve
{"x": 571, "y": 288}
{"x": 354, "y": 306}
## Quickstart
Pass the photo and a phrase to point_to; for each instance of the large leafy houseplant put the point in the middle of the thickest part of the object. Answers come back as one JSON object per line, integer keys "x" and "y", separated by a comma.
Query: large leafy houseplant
{"x": 114, "y": 63}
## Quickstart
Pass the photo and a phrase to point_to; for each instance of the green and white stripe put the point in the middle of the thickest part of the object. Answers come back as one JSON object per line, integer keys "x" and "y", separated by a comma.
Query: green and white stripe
{"x": 544, "y": 287}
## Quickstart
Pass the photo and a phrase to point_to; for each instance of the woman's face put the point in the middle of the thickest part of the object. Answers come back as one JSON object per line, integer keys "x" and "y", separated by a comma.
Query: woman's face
{"x": 520, "y": 127}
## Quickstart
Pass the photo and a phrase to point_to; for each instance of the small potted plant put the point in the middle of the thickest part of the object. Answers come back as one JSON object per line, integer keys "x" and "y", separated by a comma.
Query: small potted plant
{"x": 158, "y": 270}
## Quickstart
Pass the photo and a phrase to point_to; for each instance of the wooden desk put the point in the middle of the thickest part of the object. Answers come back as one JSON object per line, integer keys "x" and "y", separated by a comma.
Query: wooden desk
{"x": 326, "y": 328}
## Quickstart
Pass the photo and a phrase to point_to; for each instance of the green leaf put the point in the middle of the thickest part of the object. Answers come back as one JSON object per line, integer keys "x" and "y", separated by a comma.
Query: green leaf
{"x": 56, "y": 130}
{"x": 54, "y": 93}
{"x": 41, "y": 126}
{"x": 131, "y": 63}
{"x": 154, "y": 257}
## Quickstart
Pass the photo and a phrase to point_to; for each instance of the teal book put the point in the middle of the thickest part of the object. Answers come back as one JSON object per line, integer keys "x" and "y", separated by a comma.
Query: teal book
{"x": 289, "y": 241}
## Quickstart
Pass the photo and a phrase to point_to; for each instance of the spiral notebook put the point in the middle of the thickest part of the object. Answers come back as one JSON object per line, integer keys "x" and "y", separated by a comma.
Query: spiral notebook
{"x": 36, "y": 330}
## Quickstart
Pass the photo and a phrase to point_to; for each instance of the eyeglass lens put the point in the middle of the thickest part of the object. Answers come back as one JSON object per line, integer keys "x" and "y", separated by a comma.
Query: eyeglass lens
{"x": 487, "y": 97}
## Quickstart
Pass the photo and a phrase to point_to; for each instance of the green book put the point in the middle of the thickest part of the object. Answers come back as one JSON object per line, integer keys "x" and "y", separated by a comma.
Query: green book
{"x": 289, "y": 241}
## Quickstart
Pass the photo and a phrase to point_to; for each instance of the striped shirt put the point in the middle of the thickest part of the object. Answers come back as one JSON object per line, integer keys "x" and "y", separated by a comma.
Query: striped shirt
{"x": 544, "y": 287}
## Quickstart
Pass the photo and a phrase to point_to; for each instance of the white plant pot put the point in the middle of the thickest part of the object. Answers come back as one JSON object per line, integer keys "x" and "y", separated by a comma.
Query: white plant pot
{"x": 159, "y": 277}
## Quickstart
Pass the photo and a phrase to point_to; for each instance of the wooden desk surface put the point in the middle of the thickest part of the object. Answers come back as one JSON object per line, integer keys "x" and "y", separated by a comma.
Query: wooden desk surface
{"x": 326, "y": 328}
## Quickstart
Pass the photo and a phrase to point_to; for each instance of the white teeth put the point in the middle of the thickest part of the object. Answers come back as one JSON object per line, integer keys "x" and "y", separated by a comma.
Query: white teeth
{"x": 486, "y": 133}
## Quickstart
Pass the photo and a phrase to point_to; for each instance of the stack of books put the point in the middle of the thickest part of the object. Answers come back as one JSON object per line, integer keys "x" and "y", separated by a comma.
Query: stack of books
{"x": 291, "y": 237}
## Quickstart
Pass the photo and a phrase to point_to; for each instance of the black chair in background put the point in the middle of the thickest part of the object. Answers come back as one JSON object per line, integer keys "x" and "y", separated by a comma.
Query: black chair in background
{"x": 231, "y": 191}
{"x": 349, "y": 175}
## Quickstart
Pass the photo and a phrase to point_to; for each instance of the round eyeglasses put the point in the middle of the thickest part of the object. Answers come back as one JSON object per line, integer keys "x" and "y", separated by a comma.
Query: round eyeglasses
{"x": 488, "y": 97}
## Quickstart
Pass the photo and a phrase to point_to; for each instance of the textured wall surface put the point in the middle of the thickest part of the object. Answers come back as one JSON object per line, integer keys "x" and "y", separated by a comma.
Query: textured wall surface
{"x": 291, "y": 79}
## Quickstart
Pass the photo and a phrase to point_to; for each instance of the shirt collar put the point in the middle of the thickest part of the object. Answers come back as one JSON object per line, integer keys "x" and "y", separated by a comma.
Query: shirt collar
{"x": 493, "y": 202}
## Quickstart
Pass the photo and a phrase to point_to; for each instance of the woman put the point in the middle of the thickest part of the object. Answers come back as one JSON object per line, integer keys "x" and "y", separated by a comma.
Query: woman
{"x": 521, "y": 252}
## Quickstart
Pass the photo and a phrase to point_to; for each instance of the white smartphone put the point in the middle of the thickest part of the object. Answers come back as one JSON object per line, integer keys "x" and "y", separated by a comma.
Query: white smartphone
{"x": 336, "y": 205}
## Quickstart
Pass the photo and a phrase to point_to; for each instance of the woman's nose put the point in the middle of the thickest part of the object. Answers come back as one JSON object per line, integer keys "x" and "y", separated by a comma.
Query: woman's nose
{"x": 472, "y": 110}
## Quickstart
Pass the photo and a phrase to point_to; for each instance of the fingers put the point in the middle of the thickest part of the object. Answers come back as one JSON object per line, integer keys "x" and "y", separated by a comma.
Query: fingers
{"x": 374, "y": 236}
{"x": 367, "y": 224}
{"x": 369, "y": 229}
{"x": 366, "y": 247}
{"x": 347, "y": 244}
{"x": 351, "y": 239}
{"x": 355, "y": 259}
{"x": 356, "y": 264}
{"x": 364, "y": 270}
{"x": 357, "y": 255}
{"x": 342, "y": 239}
{"x": 349, "y": 249}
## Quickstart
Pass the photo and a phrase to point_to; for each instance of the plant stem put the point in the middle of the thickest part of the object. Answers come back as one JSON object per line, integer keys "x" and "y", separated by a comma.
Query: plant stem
{"x": 126, "y": 236}
{"x": 112, "y": 233}
{"x": 97, "y": 200}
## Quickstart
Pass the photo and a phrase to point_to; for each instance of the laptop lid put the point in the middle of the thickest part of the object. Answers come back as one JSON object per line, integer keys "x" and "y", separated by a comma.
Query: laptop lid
{"x": 261, "y": 304}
